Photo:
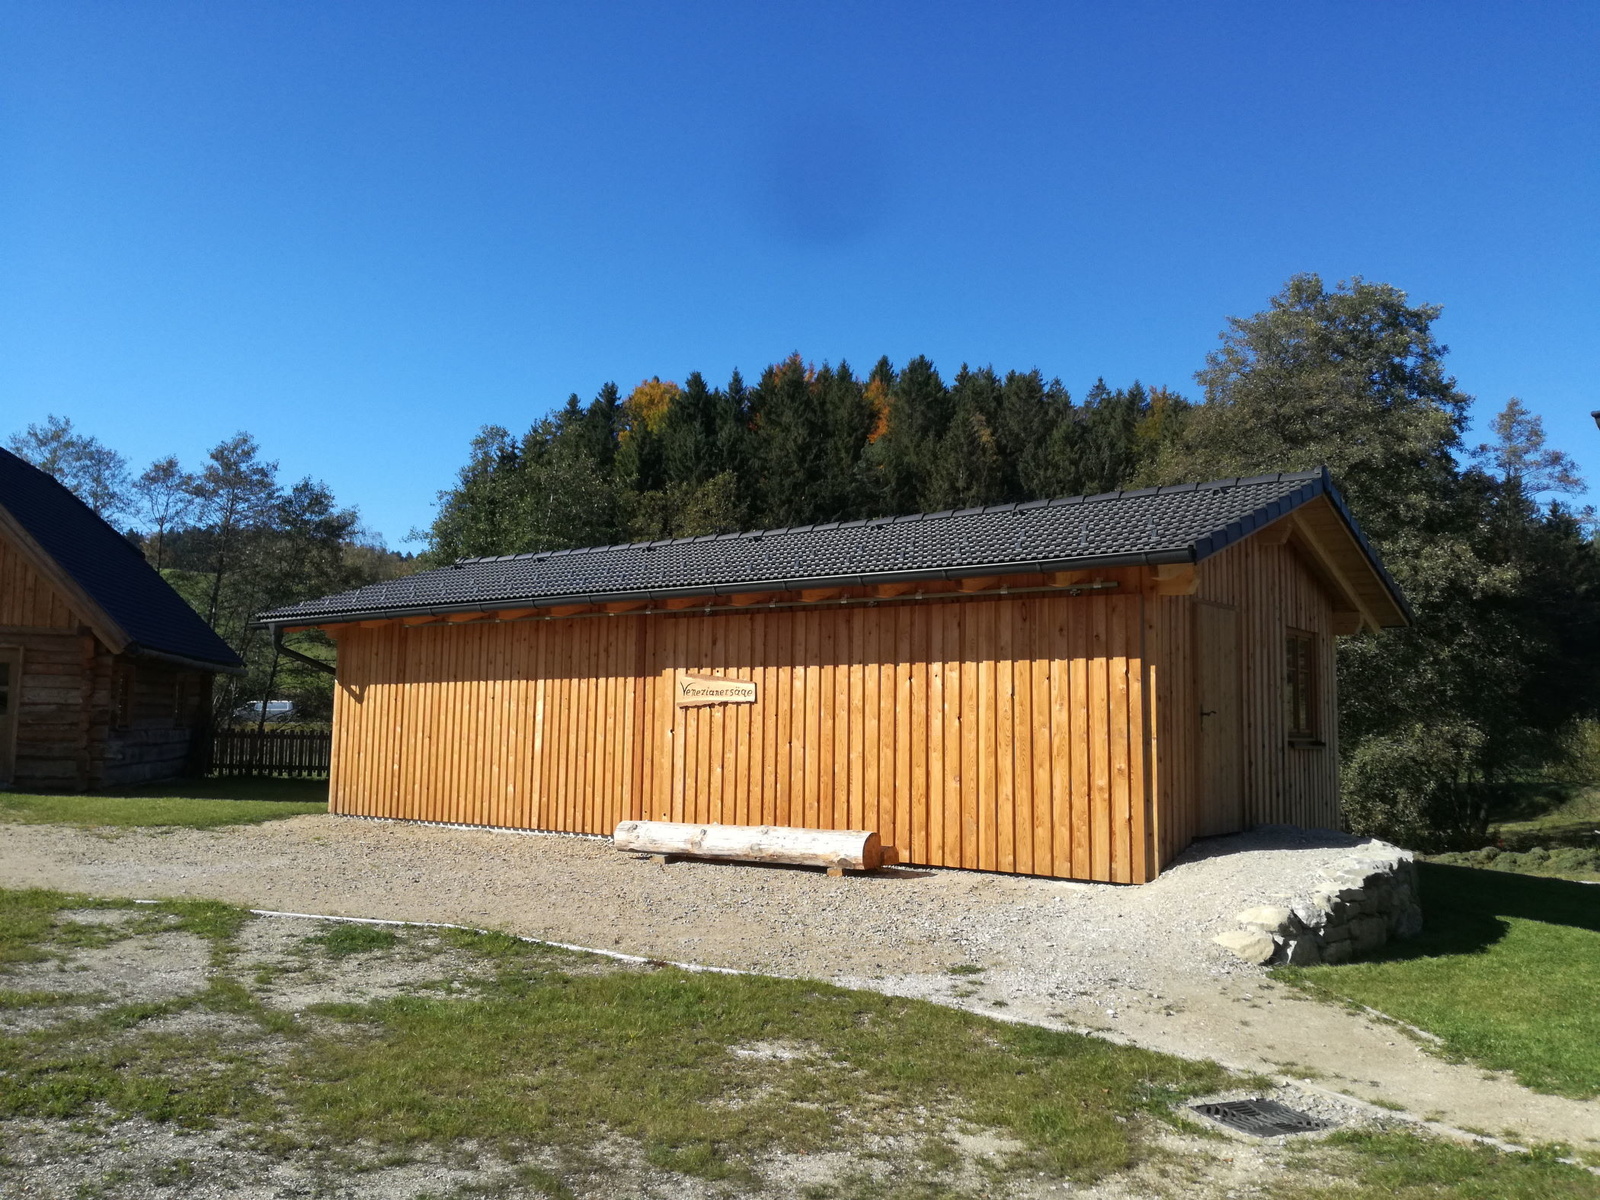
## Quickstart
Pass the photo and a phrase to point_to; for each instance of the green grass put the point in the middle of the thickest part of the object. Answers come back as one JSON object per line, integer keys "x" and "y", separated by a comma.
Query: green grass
{"x": 549, "y": 1057}
{"x": 561, "y": 1066}
{"x": 1506, "y": 972}
{"x": 189, "y": 804}
{"x": 553, "y": 1049}
{"x": 1403, "y": 1166}
{"x": 344, "y": 940}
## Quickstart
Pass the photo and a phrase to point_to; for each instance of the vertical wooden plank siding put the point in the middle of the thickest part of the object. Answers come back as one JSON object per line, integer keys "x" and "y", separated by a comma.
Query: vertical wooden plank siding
{"x": 27, "y": 599}
{"x": 1273, "y": 592}
{"x": 1007, "y": 734}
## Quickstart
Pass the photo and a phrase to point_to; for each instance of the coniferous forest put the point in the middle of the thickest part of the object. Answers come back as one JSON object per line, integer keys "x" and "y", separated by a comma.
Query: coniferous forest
{"x": 1499, "y": 670}
{"x": 1494, "y": 682}
{"x": 803, "y": 444}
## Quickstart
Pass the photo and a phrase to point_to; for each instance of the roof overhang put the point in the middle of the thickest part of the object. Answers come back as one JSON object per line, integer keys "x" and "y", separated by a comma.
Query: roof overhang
{"x": 1325, "y": 531}
{"x": 134, "y": 650}
{"x": 752, "y": 587}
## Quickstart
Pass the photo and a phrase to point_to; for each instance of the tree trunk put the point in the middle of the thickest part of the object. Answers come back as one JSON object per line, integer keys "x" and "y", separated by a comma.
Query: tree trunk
{"x": 850, "y": 849}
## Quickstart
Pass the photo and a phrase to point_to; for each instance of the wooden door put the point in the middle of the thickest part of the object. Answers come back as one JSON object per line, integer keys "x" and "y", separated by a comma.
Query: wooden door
{"x": 1221, "y": 730}
{"x": 10, "y": 689}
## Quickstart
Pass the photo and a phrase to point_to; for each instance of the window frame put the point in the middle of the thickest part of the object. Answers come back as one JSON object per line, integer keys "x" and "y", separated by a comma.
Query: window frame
{"x": 124, "y": 696}
{"x": 1301, "y": 694}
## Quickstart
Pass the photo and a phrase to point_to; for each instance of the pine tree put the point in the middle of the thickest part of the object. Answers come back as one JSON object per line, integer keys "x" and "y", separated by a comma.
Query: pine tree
{"x": 790, "y": 446}
{"x": 918, "y": 416}
{"x": 966, "y": 467}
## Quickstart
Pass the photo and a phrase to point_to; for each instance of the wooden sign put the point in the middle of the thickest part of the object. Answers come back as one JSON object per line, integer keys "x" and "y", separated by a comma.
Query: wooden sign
{"x": 690, "y": 689}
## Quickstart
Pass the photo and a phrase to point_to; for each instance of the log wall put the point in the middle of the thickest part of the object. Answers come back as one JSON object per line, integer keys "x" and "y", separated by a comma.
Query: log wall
{"x": 164, "y": 733}
{"x": 1002, "y": 734}
{"x": 52, "y": 732}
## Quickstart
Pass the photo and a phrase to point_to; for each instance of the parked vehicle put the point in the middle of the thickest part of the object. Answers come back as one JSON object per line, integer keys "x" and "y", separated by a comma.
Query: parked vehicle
{"x": 277, "y": 710}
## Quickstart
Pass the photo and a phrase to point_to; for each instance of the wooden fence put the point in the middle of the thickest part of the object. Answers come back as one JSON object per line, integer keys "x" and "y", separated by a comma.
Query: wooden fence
{"x": 248, "y": 751}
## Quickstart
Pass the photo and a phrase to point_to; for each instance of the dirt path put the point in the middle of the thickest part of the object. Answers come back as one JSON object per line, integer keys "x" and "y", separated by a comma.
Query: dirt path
{"x": 1134, "y": 962}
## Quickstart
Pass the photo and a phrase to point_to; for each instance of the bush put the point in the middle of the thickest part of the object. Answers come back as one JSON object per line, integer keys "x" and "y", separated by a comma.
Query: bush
{"x": 1579, "y": 760}
{"x": 1420, "y": 787}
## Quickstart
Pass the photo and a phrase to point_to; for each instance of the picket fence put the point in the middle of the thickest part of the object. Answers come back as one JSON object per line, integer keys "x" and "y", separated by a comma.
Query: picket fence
{"x": 293, "y": 752}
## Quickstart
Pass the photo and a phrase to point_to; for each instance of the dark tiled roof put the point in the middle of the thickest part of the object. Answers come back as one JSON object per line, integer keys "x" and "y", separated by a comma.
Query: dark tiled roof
{"x": 108, "y": 567}
{"x": 1185, "y": 523}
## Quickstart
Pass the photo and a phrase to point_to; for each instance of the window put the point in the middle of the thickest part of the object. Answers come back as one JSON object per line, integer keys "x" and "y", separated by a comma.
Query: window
{"x": 122, "y": 697}
{"x": 1301, "y": 690}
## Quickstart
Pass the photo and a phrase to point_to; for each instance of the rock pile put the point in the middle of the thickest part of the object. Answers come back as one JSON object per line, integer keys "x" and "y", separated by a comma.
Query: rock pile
{"x": 1354, "y": 907}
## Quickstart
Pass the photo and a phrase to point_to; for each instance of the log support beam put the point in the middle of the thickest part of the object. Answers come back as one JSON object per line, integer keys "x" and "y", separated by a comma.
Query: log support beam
{"x": 835, "y": 849}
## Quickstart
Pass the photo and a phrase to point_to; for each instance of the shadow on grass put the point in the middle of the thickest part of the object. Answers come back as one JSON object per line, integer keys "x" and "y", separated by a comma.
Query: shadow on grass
{"x": 1466, "y": 911}
{"x": 294, "y": 791}
{"x": 1504, "y": 973}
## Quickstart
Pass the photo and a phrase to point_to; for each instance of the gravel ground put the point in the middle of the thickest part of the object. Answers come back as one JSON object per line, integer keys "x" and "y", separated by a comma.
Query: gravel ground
{"x": 1134, "y": 962}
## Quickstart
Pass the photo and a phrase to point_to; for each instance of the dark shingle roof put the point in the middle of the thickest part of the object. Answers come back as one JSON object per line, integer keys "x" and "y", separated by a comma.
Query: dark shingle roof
{"x": 107, "y": 567}
{"x": 1185, "y": 523}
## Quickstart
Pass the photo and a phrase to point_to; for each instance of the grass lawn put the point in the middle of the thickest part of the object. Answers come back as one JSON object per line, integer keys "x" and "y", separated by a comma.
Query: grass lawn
{"x": 186, "y": 803}
{"x": 1507, "y": 972}
{"x": 516, "y": 1069}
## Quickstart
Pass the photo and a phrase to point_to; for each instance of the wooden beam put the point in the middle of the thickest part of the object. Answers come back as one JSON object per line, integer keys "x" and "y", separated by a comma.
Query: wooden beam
{"x": 1175, "y": 579}
{"x": 373, "y": 624}
{"x": 1345, "y": 623}
{"x": 515, "y": 614}
{"x": 887, "y": 590}
{"x": 1277, "y": 533}
{"x": 1316, "y": 550}
{"x": 979, "y": 583}
{"x": 679, "y": 603}
{"x": 818, "y": 595}
{"x": 1068, "y": 578}
{"x": 463, "y": 618}
{"x": 429, "y": 620}
{"x": 746, "y": 599}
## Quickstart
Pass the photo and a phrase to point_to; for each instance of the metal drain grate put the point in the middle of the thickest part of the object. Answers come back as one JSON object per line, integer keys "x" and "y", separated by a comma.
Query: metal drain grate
{"x": 1261, "y": 1118}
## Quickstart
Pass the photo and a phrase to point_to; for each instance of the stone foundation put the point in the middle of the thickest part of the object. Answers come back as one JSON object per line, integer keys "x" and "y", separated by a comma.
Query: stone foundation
{"x": 1352, "y": 908}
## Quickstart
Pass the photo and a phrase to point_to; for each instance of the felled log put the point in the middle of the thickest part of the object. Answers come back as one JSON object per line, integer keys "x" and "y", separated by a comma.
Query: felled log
{"x": 837, "y": 849}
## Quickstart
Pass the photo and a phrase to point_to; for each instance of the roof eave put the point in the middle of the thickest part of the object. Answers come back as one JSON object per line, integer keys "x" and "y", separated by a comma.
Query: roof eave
{"x": 1319, "y": 484}
{"x": 135, "y": 650}
{"x": 1183, "y": 554}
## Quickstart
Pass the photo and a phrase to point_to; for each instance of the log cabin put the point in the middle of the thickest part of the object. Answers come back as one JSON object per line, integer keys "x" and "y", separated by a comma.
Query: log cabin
{"x": 105, "y": 671}
{"x": 1074, "y": 688}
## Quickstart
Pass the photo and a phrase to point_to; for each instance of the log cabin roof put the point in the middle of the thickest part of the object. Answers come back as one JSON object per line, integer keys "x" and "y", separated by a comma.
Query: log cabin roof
{"x": 101, "y": 574}
{"x": 1185, "y": 523}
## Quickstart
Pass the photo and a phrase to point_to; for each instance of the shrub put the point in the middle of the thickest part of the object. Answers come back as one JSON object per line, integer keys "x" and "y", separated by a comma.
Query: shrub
{"x": 1421, "y": 786}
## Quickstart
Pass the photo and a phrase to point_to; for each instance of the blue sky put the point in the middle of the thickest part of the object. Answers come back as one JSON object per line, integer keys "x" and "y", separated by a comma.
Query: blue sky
{"x": 362, "y": 230}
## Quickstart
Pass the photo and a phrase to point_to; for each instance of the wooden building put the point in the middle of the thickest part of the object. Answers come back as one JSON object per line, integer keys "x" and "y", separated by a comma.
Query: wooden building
{"x": 105, "y": 671}
{"x": 1074, "y": 688}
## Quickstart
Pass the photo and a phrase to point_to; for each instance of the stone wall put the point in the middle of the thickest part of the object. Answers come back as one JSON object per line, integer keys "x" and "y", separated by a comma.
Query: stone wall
{"x": 1353, "y": 907}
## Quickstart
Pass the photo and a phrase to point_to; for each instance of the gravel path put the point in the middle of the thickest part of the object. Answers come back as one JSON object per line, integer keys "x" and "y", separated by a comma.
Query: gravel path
{"x": 1135, "y": 962}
